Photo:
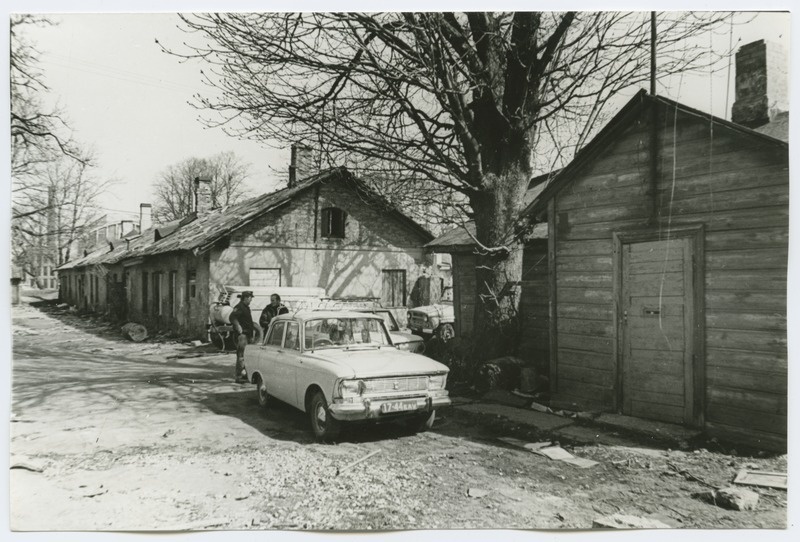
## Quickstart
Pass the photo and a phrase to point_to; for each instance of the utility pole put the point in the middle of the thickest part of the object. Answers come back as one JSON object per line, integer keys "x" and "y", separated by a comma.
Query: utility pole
{"x": 652, "y": 53}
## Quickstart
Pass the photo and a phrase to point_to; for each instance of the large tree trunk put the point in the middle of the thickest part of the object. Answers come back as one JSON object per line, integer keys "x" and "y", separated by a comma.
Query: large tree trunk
{"x": 498, "y": 269}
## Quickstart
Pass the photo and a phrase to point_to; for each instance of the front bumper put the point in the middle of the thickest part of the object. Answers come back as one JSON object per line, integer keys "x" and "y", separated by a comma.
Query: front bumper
{"x": 371, "y": 409}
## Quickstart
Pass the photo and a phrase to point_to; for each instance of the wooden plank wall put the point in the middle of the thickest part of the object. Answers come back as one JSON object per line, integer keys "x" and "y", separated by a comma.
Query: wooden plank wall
{"x": 608, "y": 196}
{"x": 738, "y": 187}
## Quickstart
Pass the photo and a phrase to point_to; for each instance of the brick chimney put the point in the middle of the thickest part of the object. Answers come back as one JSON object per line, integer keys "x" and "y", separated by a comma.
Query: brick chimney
{"x": 203, "y": 202}
{"x": 761, "y": 84}
{"x": 145, "y": 216}
{"x": 302, "y": 164}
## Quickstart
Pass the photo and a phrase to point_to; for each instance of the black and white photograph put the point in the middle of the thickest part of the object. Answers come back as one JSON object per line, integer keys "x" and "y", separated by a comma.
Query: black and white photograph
{"x": 398, "y": 269}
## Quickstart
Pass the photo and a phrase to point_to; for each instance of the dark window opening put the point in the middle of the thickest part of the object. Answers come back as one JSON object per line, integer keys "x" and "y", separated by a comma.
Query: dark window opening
{"x": 191, "y": 283}
{"x": 333, "y": 220}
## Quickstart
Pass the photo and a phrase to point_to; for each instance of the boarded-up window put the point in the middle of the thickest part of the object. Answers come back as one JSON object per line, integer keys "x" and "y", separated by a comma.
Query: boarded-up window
{"x": 333, "y": 220}
{"x": 145, "y": 277}
{"x": 173, "y": 288}
{"x": 393, "y": 293}
{"x": 265, "y": 276}
{"x": 157, "y": 293}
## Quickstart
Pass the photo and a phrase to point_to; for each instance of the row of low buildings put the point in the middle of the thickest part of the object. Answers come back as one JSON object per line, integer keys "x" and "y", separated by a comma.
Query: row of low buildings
{"x": 325, "y": 230}
{"x": 654, "y": 278}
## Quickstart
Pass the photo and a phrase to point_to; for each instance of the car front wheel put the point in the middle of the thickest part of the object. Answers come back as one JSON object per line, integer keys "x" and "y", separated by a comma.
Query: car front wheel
{"x": 446, "y": 332}
{"x": 261, "y": 390}
{"x": 325, "y": 427}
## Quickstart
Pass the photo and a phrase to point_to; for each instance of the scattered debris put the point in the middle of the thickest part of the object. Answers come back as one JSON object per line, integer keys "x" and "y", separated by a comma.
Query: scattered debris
{"x": 134, "y": 332}
{"x": 540, "y": 408}
{"x": 732, "y": 498}
{"x": 560, "y": 454}
{"x": 27, "y": 464}
{"x": 90, "y": 493}
{"x": 530, "y": 446}
{"x": 167, "y": 433}
{"x": 689, "y": 476}
{"x": 777, "y": 480}
{"x": 623, "y": 521}
{"x": 197, "y": 343}
{"x": 476, "y": 493}
{"x": 354, "y": 463}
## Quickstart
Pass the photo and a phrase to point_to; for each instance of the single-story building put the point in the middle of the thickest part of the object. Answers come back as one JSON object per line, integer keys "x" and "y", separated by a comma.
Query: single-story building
{"x": 668, "y": 245}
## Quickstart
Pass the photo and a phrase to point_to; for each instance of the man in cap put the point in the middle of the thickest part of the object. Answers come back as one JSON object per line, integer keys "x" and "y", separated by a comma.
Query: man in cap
{"x": 243, "y": 328}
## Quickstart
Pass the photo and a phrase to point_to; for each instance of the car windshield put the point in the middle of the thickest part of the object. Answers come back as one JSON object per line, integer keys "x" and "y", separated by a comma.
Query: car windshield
{"x": 344, "y": 333}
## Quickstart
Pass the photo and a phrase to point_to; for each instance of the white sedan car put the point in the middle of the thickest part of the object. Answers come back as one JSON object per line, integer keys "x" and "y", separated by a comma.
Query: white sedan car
{"x": 340, "y": 366}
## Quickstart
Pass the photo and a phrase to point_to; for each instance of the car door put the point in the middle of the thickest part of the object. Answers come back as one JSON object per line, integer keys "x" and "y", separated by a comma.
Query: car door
{"x": 291, "y": 363}
{"x": 274, "y": 362}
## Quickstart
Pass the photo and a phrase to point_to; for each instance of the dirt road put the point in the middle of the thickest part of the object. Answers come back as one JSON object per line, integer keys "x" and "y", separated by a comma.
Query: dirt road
{"x": 111, "y": 435}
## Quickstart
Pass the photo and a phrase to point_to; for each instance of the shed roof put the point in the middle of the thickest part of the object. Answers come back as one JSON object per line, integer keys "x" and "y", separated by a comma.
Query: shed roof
{"x": 629, "y": 113}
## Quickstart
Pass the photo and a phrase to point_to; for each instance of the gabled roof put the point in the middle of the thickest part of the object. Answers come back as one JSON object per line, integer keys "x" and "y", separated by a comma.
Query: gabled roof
{"x": 200, "y": 233}
{"x": 620, "y": 122}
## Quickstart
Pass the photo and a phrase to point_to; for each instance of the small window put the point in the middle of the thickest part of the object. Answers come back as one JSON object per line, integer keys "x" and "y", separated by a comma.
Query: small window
{"x": 292, "y": 341}
{"x": 333, "y": 220}
{"x": 276, "y": 334}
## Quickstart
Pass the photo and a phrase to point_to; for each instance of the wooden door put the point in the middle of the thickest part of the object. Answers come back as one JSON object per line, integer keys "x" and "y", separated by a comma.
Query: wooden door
{"x": 657, "y": 325}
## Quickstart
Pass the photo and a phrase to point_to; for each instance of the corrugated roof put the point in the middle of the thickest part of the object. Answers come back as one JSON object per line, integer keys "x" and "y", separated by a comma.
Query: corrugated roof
{"x": 462, "y": 238}
{"x": 202, "y": 232}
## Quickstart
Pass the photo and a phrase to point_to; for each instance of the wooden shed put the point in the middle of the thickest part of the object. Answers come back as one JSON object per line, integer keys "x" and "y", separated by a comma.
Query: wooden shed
{"x": 668, "y": 250}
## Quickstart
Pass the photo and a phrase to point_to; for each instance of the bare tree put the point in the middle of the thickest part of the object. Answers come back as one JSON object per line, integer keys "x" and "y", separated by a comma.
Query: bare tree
{"x": 467, "y": 102}
{"x": 38, "y": 134}
{"x": 50, "y": 219}
{"x": 174, "y": 190}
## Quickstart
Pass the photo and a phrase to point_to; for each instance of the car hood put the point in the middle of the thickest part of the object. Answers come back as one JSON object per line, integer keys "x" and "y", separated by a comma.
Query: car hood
{"x": 401, "y": 337}
{"x": 380, "y": 362}
{"x": 439, "y": 309}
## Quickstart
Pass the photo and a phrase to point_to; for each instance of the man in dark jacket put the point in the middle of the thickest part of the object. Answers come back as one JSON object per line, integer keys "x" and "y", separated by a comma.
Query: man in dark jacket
{"x": 243, "y": 327}
{"x": 272, "y": 310}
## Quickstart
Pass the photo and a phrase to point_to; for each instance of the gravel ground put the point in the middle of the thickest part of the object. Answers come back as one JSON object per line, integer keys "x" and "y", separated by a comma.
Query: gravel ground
{"x": 113, "y": 435}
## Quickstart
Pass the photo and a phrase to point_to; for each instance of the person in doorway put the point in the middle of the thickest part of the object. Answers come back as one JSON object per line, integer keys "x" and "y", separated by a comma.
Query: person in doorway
{"x": 244, "y": 331}
{"x": 272, "y": 310}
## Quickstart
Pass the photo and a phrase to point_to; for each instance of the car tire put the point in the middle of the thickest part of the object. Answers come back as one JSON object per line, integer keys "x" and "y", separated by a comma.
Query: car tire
{"x": 261, "y": 392}
{"x": 422, "y": 422}
{"x": 445, "y": 332}
{"x": 325, "y": 427}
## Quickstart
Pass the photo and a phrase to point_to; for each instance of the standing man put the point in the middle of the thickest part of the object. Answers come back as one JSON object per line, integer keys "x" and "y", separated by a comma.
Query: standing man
{"x": 243, "y": 328}
{"x": 272, "y": 310}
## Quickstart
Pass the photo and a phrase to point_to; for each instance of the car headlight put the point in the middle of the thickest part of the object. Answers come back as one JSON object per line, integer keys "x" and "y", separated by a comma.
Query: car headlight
{"x": 434, "y": 322}
{"x": 437, "y": 382}
{"x": 351, "y": 388}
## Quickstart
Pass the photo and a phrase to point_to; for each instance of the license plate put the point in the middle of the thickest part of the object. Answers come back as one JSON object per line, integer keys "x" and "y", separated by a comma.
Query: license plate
{"x": 398, "y": 406}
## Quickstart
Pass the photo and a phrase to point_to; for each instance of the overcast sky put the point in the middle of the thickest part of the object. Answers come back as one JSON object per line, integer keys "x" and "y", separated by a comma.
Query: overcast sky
{"x": 128, "y": 100}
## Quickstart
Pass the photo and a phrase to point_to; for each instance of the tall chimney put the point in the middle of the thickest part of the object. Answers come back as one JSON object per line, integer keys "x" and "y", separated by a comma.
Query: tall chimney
{"x": 302, "y": 164}
{"x": 145, "y": 216}
{"x": 202, "y": 195}
{"x": 761, "y": 84}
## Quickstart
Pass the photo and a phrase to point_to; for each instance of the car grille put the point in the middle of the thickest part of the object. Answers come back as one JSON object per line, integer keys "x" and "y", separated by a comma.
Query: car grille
{"x": 400, "y": 384}
{"x": 418, "y": 320}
